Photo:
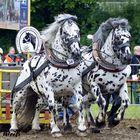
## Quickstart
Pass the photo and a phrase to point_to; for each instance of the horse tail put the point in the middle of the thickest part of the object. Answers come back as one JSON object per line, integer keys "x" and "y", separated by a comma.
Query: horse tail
{"x": 26, "y": 116}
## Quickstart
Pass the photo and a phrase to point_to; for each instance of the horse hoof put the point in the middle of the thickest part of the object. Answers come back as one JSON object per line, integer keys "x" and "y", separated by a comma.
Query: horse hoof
{"x": 67, "y": 129}
{"x": 95, "y": 130}
{"x": 56, "y": 135}
{"x": 34, "y": 131}
{"x": 100, "y": 124}
{"x": 81, "y": 133}
{"x": 112, "y": 121}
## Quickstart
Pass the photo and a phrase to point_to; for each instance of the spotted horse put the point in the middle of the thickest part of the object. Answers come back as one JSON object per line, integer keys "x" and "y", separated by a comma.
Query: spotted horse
{"x": 112, "y": 56}
{"x": 108, "y": 60}
{"x": 46, "y": 75}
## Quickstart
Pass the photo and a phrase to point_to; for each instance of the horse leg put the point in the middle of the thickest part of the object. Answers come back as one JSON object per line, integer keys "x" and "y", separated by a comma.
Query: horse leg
{"x": 90, "y": 119}
{"x": 112, "y": 114}
{"x": 66, "y": 122}
{"x": 51, "y": 103}
{"x": 95, "y": 90}
{"x": 55, "y": 130}
{"x": 35, "y": 122}
{"x": 67, "y": 125}
{"x": 120, "y": 104}
{"x": 20, "y": 95}
{"x": 81, "y": 118}
{"x": 107, "y": 98}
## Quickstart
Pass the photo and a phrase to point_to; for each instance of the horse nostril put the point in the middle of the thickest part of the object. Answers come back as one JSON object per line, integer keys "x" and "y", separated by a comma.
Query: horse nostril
{"x": 72, "y": 53}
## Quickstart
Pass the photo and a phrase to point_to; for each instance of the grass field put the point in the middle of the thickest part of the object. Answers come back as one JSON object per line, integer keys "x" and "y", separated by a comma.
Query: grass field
{"x": 132, "y": 112}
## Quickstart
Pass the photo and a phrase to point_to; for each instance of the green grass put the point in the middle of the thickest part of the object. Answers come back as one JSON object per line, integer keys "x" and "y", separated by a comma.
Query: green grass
{"x": 132, "y": 112}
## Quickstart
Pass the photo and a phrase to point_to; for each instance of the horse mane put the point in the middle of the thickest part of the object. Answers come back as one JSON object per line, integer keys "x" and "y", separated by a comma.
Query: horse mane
{"x": 48, "y": 34}
{"x": 106, "y": 27}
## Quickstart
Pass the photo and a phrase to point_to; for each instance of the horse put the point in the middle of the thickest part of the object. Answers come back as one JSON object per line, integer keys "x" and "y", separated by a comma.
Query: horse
{"x": 30, "y": 38}
{"x": 46, "y": 75}
{"x": 99, "y": 67}
{"x": 112, "y": 56}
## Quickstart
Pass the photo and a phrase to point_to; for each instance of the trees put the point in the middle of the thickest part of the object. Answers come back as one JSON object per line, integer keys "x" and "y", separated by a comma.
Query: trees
{"x": 90, "y": 15}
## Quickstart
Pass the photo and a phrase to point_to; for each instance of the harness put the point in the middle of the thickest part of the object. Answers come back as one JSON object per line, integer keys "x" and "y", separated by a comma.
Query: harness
{"x": 50, "y": 59}
{"x": 56, "y": 62}
{"x": 88, "y": 69}
{"x": 103, "y": 64}
{"x": 33, "y": 75}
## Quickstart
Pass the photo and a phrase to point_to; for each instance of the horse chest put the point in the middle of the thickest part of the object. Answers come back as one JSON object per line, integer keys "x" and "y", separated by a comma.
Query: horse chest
{"x": 63, "y": 79}
{"x": 109, "y": 82}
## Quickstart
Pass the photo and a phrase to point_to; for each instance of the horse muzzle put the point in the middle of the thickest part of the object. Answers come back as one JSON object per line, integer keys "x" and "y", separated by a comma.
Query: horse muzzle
{"x": 126, "y": 59}
{"x": 75, "y": 48}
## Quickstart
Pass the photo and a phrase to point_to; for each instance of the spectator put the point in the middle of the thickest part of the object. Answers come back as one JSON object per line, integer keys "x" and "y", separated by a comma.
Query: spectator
{"x": 10, "y": 58}
{"x": 135, "y": 73}
{"x": 1, "y": 55}
{"x": 135, "y": 60}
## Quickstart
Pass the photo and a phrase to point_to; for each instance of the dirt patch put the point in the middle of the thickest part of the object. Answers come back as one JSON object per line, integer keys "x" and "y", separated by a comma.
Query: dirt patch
{"x": 126, "y": 130}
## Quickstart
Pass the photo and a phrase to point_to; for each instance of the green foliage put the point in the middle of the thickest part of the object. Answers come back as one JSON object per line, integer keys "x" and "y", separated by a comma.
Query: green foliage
{"x": 131, "y": 12}
{"x": 7, "y": 39}
{"x": 81, "y": 8}
{"x": 89, "y": 12}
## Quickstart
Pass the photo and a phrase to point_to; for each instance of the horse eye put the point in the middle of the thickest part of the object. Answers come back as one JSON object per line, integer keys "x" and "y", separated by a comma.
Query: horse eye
{"x": 65, "y": 33}
{"x": 118, "y": 37}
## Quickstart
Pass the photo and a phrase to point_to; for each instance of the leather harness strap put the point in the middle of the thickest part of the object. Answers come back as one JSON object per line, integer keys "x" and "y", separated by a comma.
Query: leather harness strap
{"x": 32, "y": 77}
{"x": 56, "y": 62}
{"x": 103, "y": 64}
{"x": 88, "y": 69}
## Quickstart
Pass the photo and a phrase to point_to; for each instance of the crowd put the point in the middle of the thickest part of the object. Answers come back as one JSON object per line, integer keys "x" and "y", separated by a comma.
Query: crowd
{"x": 11, "y": 59}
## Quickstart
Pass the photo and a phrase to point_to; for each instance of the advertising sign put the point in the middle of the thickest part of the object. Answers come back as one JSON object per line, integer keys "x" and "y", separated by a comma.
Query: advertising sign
{"x": 14, "y": 14}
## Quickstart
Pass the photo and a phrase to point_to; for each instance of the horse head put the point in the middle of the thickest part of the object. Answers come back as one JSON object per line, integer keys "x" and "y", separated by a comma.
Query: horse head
{"x": 27, "y": 38}
{"x": 114, "y": 40}
{"x": 70, "y": 35}
{"x": 121, "y": 44}
{"x": 63, "y": 36}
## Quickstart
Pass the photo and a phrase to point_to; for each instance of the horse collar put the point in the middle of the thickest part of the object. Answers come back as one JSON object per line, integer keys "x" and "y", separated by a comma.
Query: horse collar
{"x": 56, "y": 62}
{"x": 103, "y": 64}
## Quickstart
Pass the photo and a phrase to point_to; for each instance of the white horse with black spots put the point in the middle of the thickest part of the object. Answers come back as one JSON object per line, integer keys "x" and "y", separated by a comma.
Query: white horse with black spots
{"x": 104, "y": 72}
{"x": 60, "y": 74}
{"x": 112, "y": 56}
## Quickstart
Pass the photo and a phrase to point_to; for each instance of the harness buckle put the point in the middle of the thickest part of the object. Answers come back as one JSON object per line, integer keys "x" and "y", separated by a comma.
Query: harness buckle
{"x": 70, "y": 61}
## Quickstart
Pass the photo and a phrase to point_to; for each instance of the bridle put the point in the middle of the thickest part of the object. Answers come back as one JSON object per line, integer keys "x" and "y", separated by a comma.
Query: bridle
{"x": 101, "y": 61}
{"x": 72, "y": 39}
{"x": 119, "y": 46}
{"x": 69, "y": 62}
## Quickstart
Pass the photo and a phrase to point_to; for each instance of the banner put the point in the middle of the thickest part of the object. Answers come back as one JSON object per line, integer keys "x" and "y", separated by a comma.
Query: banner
{"x": 14, "y": 14}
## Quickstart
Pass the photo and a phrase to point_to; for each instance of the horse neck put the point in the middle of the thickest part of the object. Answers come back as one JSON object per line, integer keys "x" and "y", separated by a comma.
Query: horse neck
{"x": 107, "y": 51}
{"x": 59, "y": 50}
{"x": 87, "y": 60}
